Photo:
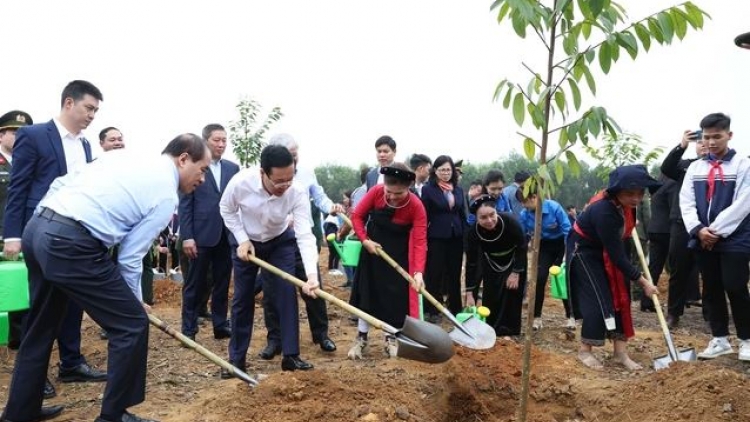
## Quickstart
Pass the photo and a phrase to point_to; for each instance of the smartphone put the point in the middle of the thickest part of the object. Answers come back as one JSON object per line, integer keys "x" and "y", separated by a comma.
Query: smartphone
{"x": 697, "y": 135}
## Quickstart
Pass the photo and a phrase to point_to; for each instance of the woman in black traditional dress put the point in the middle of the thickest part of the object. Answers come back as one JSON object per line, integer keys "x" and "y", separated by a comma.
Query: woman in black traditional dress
{"x": 600, "y": 271}
{"x": 390, "y": 217}
{"x": 495, "y": 252}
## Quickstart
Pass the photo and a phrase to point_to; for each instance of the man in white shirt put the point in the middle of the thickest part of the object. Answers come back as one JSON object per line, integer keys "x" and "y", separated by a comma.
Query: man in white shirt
{"x": 385, "y": 151}
{"x": 420, "y": 165}
{"x": 122, "y": 199}
{"x": 256, "y": 206}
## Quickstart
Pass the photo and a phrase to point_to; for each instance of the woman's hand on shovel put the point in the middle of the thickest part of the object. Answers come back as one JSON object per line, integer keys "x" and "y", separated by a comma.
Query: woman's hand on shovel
{"x": 371, "y": 246}
{"x": 417, "y": 281}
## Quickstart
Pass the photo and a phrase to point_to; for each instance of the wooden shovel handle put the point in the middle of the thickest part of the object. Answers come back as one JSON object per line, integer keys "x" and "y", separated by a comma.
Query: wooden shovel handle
{"x": 325, "y": 296}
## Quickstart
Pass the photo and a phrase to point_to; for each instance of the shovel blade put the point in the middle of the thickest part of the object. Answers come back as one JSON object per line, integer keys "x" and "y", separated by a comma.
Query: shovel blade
{"x": 484, "y": 336}
{"x": 423, "y": 342}
{"x": 663, "y": 362}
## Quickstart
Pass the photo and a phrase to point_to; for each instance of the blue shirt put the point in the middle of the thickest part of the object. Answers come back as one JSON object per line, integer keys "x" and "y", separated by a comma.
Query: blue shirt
{"x": 555, "y": 222}
{"x": 120, "y": 198}
{"x": 501, "y": 205}
{"x": 510, "y": 193}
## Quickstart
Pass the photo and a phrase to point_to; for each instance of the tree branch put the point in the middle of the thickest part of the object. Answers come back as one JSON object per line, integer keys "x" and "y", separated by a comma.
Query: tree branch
{"x": 529, "y": 137}
{"x": 533, "y": 73}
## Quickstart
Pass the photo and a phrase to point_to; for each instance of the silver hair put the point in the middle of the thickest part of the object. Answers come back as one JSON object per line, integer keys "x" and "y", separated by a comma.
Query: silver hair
{"x": 283, "y": 139}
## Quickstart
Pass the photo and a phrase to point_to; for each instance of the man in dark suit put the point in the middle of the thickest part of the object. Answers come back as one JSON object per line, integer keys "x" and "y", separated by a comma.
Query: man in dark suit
{"x": 43, "y": 152}
{"x": 206, "y": 240}
{"x": 385, "y": 148}
{"x": 9, "y": 124}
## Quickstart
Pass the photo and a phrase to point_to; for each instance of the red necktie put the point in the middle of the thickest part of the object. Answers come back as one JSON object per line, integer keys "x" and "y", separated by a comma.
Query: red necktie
{"x": 712, "y": 172}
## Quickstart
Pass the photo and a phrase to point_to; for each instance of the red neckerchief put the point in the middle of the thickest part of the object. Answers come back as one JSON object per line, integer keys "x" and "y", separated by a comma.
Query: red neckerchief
{"x": 712, "y": 172}
{"x": 615, "y": 277}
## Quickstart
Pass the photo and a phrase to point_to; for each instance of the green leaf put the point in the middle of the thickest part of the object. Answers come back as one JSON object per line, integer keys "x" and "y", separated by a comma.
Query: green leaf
{"x": 499, "y": 89}
{"x": 605, "y": 57}
{"x": 508, "y": 96}
{"x": 563, "y": 139}
{"x": 559, "y": 171}
{"x": 570, "y": 44}
{"x": 503, "y": 11}
{"x": 667, "y": 29}
{"x": 518, "y": 110}
{"x": 628, "y": 41}
{"x": 519, "y": 24}
{"x": 583, "y": 6}
{"x": 615, "y": 50}
{"x": 590, "y": 81}
{"x": 679, "y": 18}
{"x": 596, "y": 7}
{"x": 643, "y": 35}
{"x": 573, "y": 164}
{"x": 695, "y": 15}
{"x": 529, "y": 148}
{"x": 590, "y": 55}
{"x": 653, "y": 26}
{"x": 594, "y": 125}
{"x": 586, "y": 30}
{"x": 575, "y": 92}
{"x": 544, "y": 173}
{"x": 560, "y": 100}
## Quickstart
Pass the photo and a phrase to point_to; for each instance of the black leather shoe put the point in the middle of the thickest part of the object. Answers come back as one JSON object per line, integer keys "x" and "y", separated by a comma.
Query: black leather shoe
{"x": 82, "y": 373}
{"x": 49, "y": 389}
{"x": 326, "y": 344}
{"x": 204, "y": 313}
{"x": 103, "y": 335}
{"x": 672, "y": 321}
{"x": 222, "y": 333}
{"x": 126, "y": 417}
{"x": 270, "y": 351}
{"x": 225, "y": 375}
{"x": 46, "y": 412}
{"x": 294, "y": 363}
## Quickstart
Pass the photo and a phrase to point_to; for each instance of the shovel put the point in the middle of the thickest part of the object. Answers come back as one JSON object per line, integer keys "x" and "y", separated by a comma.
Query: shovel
{"x": 417, "y": 340}
{"x": 236, "y": 372}
{"x": 673, "y": 355}
{"x": 473, "y": 333}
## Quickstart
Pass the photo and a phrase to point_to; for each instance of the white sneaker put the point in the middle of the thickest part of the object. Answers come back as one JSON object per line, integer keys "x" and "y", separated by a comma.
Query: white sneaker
{"x": 356, "y": 351}
{"x": 718, "y": 346}
{"x": 570, "y": 324}
{"x": 744, "y": 350}
{"x": 391, "y": 346}
{"x": 537, "y": 325}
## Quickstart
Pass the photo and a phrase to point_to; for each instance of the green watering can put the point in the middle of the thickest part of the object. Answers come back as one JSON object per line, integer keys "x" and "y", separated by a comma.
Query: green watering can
{"x": 14, "y": 293}
{"x": 558, "y": 285}
{"x": 348, "y": 250}
{"x": 480, "y": 312}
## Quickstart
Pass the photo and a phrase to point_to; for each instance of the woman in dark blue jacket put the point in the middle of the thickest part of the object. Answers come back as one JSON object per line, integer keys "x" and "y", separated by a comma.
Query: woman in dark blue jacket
{"x": 443, "y": 201}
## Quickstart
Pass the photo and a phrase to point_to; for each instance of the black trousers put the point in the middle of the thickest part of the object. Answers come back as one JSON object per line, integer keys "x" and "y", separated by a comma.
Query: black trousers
{"x": 505, "y": 304}
{"x": 658, "y": 251}
{"x": 196, "y": 287}
{"x": 726, "y": 273}
{"x": 67, "y": 265}
{"x": 684, "y": 270}
{"x": 317, "y": 312}
{"x": 551, "y": 252}
{"x": 443, "y": 273}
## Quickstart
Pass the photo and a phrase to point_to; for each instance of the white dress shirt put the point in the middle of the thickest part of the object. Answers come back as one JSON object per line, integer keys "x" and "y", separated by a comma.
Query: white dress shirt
{"x": 75, "y": 155}
{"x": 215, "y": 167}
{"x": 251, "y": 213}
{"x": 307, "y": 178}
{"x": 120, "y": 198}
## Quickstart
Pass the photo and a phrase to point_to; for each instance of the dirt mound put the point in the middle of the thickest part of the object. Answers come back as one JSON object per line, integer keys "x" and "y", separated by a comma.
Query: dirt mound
{"x": 167, "y": 292}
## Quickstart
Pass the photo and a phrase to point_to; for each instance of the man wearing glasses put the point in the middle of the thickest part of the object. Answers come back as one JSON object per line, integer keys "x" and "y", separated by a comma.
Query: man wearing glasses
{"x": 255, "y": 207}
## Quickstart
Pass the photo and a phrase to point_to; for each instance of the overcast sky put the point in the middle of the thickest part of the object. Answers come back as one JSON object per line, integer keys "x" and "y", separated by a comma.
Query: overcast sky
{"x": 346, "y": 72}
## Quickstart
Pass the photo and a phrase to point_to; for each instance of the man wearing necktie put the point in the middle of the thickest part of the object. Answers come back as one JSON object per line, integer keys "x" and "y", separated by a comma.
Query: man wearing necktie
{"x": 41, "y": 153}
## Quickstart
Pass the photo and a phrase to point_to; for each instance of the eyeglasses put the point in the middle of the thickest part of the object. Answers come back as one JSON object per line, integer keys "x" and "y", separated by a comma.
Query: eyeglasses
{"x": 279, "y": 185}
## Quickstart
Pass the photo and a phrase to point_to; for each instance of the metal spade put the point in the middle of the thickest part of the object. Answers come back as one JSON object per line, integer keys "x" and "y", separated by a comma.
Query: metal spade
{"x": 473, "y": 333}
{"x": 673, "y": 355}
{"x": 417, "y": 340}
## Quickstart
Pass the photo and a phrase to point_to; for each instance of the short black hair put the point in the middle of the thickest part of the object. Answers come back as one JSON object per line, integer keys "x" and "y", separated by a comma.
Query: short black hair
{"x": 718, "y": 121}
{"x": 275, "y": 156}
{"x": 386, "y": 140}
{"x": 77, "y": 89}
{"x": 523, "y": 197}
{"x": 493, "y": 176}
{"x": 417, "y": 160}
{"x": 210, "y": 128}
{"x": 189, "y": 143}
{"x": 475, "y": 182}
{"x": 570, "y": 207}
{"x": 103, "y": 133}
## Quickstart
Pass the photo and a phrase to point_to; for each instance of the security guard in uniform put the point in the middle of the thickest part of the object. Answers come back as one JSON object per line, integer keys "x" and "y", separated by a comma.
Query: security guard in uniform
{"x": 9, "y": 123}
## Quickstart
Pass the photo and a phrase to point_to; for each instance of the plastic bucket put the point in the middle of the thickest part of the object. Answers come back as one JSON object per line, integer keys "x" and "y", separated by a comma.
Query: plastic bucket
{"x": 14, "y": 286}
{"x": 558, "y": 285}
{"x": 348, "y": 251}
{"x": 4, "y": 328}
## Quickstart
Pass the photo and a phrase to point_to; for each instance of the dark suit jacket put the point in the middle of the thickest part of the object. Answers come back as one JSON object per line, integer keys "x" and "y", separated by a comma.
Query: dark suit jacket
{"x": 372, "y": 177}
{"x": 38, "y": 159}
{"x": 443, "y": 222}
{"x": 200, "y": 219}
{"x": 5, "y": 168}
